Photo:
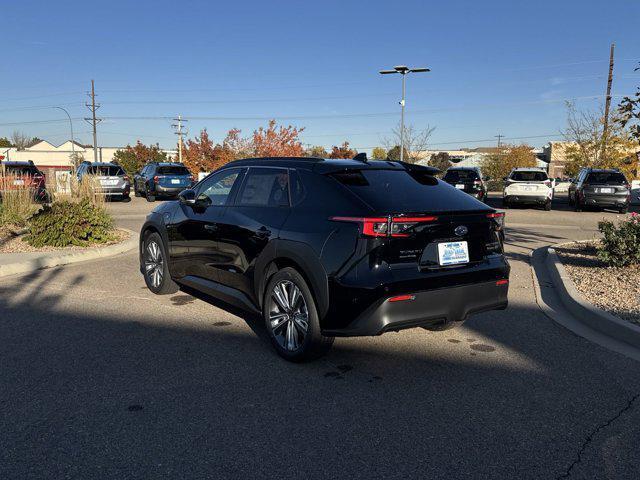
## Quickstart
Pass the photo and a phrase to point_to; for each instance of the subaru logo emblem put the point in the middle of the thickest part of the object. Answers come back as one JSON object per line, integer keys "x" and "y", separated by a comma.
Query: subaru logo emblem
{"x": 461, "y": 230}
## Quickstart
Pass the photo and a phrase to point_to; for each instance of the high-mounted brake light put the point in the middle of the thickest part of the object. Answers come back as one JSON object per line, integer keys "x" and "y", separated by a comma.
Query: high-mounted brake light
{"x": 385, "y": 227}
{"x": 156, "y": 179}
{"x": 499, "y": 283}
{"x": 402, "y": 298}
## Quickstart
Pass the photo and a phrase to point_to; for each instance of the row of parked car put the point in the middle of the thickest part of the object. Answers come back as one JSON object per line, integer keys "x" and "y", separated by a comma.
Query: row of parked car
{"x": 592, "y": 188}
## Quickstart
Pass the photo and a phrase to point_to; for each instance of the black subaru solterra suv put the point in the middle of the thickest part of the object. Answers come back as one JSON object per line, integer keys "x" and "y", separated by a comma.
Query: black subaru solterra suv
{"x": 326, "y": 248}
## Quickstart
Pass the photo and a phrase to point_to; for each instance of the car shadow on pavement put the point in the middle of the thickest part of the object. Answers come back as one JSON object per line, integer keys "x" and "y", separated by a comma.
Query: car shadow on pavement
{"x": 90, "y": 393}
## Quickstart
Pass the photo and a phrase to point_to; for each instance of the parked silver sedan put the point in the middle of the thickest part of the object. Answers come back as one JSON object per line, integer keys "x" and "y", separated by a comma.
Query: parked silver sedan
{"x": 111, "y": 179}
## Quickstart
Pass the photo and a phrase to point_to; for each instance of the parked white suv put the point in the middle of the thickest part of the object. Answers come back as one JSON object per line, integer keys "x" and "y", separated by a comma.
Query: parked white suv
{"x": 528, "y": 186}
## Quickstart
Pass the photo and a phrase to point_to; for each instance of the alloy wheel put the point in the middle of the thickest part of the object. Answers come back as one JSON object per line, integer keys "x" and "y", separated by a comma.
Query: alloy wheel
{"x": 153, "y": 264}
{"x": 288, "y": 315}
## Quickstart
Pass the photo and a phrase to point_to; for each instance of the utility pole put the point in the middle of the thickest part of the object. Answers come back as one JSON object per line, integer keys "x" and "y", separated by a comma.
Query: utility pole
{"x": 499, "y": 137}
{"x": 607, "y": 103}
{"x": 93, "y": 120}
{"x": 180, "y": 133}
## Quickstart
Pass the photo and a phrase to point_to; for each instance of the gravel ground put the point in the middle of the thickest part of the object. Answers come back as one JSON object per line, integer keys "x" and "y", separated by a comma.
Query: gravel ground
{"x": 12, "y": 244}
{"x": 616, "y": 290}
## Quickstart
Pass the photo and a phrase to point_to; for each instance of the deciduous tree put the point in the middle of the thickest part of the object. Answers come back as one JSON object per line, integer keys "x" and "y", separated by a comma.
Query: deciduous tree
{"x": 440, "y": 160}
{"x": 343, "y": 151}
{"x": 379, "y": 153}
{"x": 276, "y": 141}
{"x": 498, "y": 165}
{"x": 415, "y": 142}
{"x": 317, "y": 151}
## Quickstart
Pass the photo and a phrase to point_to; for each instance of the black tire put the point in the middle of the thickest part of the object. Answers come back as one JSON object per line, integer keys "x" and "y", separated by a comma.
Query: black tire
{"x": 136, "y": 192}
{"x": 285, "y": 337}
{"x": 163, "y": 284}
{"x": 623, "y": 210}
{"x": 126, "y": 199}
{"x": 505, "y": 204}
{"x": 547, "y": 205}
{"x": 150, "y": 198}
{"x": 577, "y": 207}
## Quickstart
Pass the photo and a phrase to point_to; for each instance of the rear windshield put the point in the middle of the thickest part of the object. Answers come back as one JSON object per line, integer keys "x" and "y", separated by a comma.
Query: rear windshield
{"x": 173, "y": 170}
{"x": 525, "y": 176}
{"x": 106, "y": 171}
{"x": 398, "y": 191}
{"x": 606, "y": 178}
{"x": 461, "y": 175}
{"x": 21, "y": 171}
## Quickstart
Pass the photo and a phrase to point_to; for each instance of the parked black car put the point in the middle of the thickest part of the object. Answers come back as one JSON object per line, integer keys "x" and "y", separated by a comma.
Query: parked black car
{"x": 161, "y": 179}
{"x": 600, "y": 188}
{"x": 112, "y": 181}
{"x": 21, "y": 174}
{"x": 326, "y": 248}
{"x": 467, "y": 179}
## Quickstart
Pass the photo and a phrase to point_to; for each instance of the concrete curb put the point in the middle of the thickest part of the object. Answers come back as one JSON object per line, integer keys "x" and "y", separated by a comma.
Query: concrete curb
{"x": 58, "y": 258}
{"x": 586, "y": 313}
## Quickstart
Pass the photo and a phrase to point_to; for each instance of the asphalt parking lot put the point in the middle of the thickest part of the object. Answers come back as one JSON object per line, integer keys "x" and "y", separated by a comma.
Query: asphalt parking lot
{"x": 99, "y": 378}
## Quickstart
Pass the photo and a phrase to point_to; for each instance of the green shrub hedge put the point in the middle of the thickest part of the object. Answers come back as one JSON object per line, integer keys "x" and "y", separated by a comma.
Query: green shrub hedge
{"x": 67, "y": 223}
{"x": 621, "y": 243}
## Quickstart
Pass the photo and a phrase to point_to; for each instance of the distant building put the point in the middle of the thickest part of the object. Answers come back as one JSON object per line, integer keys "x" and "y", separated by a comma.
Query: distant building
{"x": 473, "y": 157}
{"x": 50, "y": 158}
{"x": 555, "y": 154}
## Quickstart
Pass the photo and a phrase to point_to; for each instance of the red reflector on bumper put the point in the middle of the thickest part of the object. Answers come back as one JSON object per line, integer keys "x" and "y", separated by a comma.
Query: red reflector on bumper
{"x": 402, "y": 298}
{"x": 502, "y": 282}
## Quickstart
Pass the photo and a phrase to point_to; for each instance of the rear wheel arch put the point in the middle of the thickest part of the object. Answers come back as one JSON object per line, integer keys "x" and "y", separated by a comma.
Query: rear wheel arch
{"x": 302, "y": 259}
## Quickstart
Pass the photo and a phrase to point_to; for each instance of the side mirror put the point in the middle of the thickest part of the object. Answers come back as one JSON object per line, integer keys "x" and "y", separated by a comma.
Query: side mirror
{"x": 487, "y": 178}
{"x": 187, "y": 197}
{"x": 504, "y": 179}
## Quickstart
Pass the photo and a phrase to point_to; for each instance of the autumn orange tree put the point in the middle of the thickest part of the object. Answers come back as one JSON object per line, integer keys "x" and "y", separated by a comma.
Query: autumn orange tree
{"x": 277, "y": 141}
{"x": 343, "y": 151}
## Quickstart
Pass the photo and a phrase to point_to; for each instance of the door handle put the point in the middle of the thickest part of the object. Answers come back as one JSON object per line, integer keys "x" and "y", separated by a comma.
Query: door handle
{"x": 263, "y": 232}
{"x": 212, "y": 227}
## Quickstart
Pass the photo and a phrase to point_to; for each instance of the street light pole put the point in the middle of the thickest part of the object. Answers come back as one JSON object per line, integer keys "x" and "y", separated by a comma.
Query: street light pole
{"x": 403, "y": 70}
{"x": 73, "y": 143}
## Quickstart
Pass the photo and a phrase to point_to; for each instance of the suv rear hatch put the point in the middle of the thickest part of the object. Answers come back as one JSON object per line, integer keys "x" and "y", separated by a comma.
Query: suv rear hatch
{"x": 466, "y": 180}
{"x": 173, "y": 176}
{"x": 605, "y": 183}
{"x": 532, "y": 182}
{"x": 425, "y": 223}
{"x": 109, "y": 177}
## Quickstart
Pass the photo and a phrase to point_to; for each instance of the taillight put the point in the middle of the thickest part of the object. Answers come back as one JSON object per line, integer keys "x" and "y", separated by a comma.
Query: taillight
{"x": 498, "y": 217}
{"x": 385, "y": 227}
{"x": 126, "y": 178}
{"x": 500, "y": 283}
{"x": 191, "y": 178}
{"x": 156, "y": 179}
{"x": 547, "y": 183}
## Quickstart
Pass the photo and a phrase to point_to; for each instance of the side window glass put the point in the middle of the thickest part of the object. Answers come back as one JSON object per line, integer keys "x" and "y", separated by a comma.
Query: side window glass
{"x": 296, "y": 187}
{"x": 265, "y": 187}
{"x": 217, "y": 188}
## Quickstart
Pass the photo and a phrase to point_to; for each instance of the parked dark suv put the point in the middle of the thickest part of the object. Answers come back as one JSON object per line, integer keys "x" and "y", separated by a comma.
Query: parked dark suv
{"x": 23, "y": 174}
{"x": 467, "y": 179}
{"x": 160, "y": 179}
{"x": 326, "y": 248}
{"x": 601, "y": 189}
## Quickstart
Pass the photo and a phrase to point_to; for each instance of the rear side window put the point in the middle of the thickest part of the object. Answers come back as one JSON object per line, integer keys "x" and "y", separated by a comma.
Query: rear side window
{"x": 606, "y": 178}
{"x": 461, "y": 175}
{"x": 20, "y": 171}
{"x": 173, "y": 170}
{"x": 397, "y": 191}
{"x": 105, "y": 171}
{"x": 533, "y": 176}
{"x": 265, "y": 187}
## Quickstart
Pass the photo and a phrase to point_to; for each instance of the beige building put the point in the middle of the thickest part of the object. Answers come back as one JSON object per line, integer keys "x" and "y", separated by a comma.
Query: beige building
{"x": 50, "y": 158}
{"x": 556, "y": 155}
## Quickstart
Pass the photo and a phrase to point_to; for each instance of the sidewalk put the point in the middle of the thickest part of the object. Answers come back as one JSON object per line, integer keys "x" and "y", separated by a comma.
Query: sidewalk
{"x": 15, "y": 263}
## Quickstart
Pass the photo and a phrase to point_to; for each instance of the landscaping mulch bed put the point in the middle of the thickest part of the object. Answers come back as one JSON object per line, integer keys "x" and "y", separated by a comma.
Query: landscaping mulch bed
{"x": 9, "y": 243}
{"x": 614, "y": 289}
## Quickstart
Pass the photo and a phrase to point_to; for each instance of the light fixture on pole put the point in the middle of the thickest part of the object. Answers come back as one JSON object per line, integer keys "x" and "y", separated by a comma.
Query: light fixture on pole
{"x": 403, "y": 70}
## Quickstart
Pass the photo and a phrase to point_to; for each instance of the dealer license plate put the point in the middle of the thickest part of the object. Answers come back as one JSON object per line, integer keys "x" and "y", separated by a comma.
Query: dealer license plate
{"x": 108, "y": 183}
{"x": 175, "y": 181}
{"x": 460, "y": 186}
{"x": 453, "y": 253}
{"x": 605, "y": 190}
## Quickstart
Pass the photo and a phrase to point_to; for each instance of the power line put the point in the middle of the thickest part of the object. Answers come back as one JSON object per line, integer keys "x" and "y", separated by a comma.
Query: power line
{"x": 180, "y": 133}
{"x": 93, "y": 120}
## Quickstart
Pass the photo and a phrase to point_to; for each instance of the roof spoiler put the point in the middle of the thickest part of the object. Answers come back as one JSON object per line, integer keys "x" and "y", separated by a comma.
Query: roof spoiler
{"x": 412, "y": 167}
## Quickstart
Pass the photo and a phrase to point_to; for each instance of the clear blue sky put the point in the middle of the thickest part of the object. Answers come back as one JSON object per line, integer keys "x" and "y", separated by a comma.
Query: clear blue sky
{"x": 497, "y": 66}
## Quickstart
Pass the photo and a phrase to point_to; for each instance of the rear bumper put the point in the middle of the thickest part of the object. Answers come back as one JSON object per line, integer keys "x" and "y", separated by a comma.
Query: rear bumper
{"x": 453, "y": 304}
{"x": 173, "y": 191}
{"x": 115, "y": 192}
{"x": 604, "y": 200}
{"x": 520, "y": 198}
